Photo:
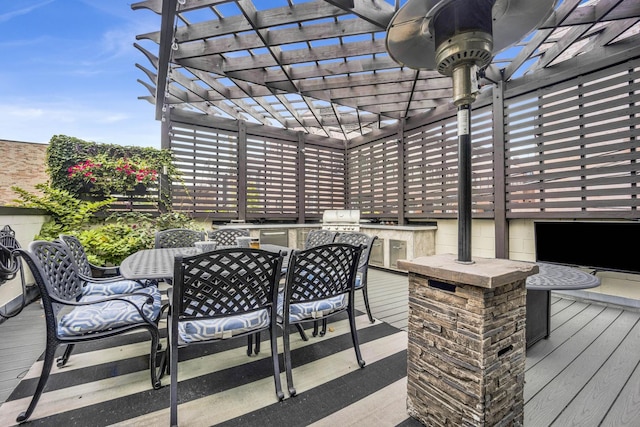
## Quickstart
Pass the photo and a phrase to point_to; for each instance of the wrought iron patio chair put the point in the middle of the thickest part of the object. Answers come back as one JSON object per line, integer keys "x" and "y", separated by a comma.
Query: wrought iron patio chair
{"x": 320, "y": 284}
{"x": 319, "y": 237}
{"x": 178, "y": 238}
{"x": 227, "y": 236}
{"x": 10, "y": 265}
{"x": 72, "y": 318}
{"x": 222, "y": 294}
{"x": 357, "y": 238}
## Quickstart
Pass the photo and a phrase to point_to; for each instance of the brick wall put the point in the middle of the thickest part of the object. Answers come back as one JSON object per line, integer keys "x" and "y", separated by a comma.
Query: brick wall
{"x": 21, "y": 164}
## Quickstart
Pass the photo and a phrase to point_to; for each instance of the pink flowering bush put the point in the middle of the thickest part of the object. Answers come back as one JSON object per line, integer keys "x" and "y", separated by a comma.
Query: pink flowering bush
{"x": 101, "y": 175}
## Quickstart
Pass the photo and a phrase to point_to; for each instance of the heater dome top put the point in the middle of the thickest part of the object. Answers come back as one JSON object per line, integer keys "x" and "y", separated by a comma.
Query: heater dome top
{"x": 411, "y": 35}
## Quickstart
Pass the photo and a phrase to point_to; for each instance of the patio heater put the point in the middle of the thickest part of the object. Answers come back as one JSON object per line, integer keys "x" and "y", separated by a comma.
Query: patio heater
{"x": 457, "y": 38}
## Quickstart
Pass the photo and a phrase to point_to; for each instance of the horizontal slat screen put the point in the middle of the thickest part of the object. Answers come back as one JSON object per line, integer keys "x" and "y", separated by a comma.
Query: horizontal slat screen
{"x": 431, "y": 168}
{"x": 571, "y": 149}
{"x": 373, "y": 179}
{"x": 272, "y": 178}
{"x": 324, "y": 180}
{"x": 208, "y": 161}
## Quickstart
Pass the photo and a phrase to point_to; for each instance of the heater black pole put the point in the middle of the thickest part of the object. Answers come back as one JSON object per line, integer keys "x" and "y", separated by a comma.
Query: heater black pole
{"x": 464, "y": 183}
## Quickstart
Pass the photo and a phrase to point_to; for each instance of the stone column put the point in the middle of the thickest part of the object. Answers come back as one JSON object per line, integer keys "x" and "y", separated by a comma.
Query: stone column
{"x": 466, "y": 352}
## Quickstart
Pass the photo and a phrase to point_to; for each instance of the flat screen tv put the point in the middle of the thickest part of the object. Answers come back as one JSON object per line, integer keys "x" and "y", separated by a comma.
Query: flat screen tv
{"x": 599, "y": 245}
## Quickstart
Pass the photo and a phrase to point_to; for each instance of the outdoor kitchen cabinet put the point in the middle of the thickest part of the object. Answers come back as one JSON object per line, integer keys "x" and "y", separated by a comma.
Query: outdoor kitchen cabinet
{"x": 278, "y": 237}
{"x": 397, "y": 250}
{"x": 377, "y": 253}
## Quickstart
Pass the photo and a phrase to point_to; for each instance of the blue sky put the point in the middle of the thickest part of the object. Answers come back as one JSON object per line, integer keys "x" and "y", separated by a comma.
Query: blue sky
{"x": 68, "y": 67}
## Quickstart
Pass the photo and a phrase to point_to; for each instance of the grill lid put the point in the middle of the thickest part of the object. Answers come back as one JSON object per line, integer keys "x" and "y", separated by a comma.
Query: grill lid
{"x": 341, "y": 216}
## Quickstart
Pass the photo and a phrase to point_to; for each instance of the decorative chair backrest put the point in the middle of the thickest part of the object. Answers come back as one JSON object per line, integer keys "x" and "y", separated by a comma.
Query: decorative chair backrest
{"x": 54, "y": 271}
{"x": 225, "y": 282}
{"x": 227, "y": 236}
{"x": 79, "y": 255}
{"x": 356, "y": 238}
{"x": 319, "y": 237}
{"x": 178, "y": 238}
{"x": 321, "y": 272}
{"x": 9, "y": 264}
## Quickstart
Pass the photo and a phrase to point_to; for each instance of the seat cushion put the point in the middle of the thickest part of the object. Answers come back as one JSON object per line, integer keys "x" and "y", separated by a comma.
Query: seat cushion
{"x": 299, "y": 312}
{"x": 226, "y": 327}
{"x": 111, "y": 288}
{"x": 110, "y": 314}
{"x": 359, "y": 282}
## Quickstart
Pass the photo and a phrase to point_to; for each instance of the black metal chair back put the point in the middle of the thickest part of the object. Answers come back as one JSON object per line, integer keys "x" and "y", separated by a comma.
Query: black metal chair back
{"x": 79, "y": 255}
{"x": 357, "y": 238}
{"x": 10, "y": 265}
{"x": 178, "y": 238}
{"x": 320, "y": 283}
{"x": 213, "y": 288}
{"x": 227, "y": 236}
{"x": 319, "y": 237}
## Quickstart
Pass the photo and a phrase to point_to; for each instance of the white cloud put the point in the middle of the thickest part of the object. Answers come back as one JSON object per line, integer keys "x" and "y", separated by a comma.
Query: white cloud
{"x": 4, "y": 17}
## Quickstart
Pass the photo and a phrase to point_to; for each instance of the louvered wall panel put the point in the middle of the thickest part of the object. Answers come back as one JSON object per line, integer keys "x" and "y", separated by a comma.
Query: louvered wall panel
{"x": 324, "y": 172}
{"x": 572, "y": 148}
{"x": 373, "y": 178}
{"x": 431, "y": 168}
{"x": 208, "y": 161}
{"x": 272, "y": 178}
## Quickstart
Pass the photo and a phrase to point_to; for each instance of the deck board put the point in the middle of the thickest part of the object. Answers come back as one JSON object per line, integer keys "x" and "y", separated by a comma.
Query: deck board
{"x": 586, "y": 373}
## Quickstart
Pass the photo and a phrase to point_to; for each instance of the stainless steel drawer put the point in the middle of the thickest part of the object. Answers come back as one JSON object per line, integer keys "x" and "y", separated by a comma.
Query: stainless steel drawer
{"x": 377, "y": 253}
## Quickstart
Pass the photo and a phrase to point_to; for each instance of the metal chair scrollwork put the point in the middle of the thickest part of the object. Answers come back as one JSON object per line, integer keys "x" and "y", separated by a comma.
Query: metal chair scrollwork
{"x": 227, "y": 236}
{"x": 178, "y": 238}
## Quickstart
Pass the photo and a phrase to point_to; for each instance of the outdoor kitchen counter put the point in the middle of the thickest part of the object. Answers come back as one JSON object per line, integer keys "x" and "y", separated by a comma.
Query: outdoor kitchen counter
{"x": 394, "y": 241}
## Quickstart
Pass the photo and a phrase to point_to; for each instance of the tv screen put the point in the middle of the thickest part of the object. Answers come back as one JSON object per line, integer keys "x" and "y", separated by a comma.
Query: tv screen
{"x": 599, "y": 245}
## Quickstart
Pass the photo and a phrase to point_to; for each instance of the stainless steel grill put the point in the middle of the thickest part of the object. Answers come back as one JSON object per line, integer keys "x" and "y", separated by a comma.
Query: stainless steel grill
{"x": 341, "y": 220}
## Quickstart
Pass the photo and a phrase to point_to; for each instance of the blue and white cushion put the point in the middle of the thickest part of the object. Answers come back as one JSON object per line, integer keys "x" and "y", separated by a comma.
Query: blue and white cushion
{"x": 312, "y": 310}
{"x": 110, "y": 314}
{"x": 359, "y": 283}
{"x": 111, "y": 288}
{"x": 225, "y": 327}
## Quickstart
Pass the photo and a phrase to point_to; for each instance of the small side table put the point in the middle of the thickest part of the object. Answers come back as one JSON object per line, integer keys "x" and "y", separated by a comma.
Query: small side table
{"x": 539, "y": 287}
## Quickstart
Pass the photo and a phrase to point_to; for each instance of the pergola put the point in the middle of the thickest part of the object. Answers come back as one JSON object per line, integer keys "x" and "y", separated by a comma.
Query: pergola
{"x": 277, "y": 110}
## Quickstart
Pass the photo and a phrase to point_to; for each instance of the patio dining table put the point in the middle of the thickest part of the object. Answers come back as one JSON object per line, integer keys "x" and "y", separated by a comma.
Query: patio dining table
{"x": 158, "y": 263}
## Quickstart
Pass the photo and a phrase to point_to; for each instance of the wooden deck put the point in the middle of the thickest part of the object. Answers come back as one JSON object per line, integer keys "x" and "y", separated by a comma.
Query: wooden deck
{"x": 586, "y": 374}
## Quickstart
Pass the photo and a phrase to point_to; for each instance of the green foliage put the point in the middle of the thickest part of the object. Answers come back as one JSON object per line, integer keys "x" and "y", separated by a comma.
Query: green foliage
{"x": 107, "y": 241}
{"x": 73, "y": 163}
{"x": 109, "y": 244}
{"x": 67, "y": 213}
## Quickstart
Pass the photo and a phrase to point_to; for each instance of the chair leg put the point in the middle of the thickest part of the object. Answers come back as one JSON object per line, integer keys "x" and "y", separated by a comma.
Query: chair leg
{"x": 49, "y": 356}
{"x": 155, "y": 380}
{"x": 273, "y": 333}
{"x": 323, "y": 331}
{"x": 256, "y": 349}
{"x": 287, "y": 360}
{"x": 366, "y": 303}
{"x": 249, "y": 345}
{"x": 62, "y": 360}
{"x": 303, "y": 335}
{"x": 173, "y": 387}
{"x": 354, "y": 337}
